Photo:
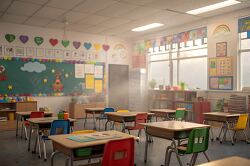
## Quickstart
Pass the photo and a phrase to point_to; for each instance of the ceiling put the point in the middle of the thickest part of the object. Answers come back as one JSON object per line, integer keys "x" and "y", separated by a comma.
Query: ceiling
{"x": 106, "y": 17}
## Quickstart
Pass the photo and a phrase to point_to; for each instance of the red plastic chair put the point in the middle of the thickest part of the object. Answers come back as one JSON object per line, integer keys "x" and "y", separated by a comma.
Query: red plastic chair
{"x": 119, "y": 153}
{"x": 140, "y": 118}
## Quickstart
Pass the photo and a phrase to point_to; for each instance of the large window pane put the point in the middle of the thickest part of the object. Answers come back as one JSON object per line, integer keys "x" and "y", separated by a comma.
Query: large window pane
{"x": 194, "y": 73}
{"x": 159, "y": 71}
{"x": 245, "y": 69}
{"x": 245, "y": 44}
{"x": 193, "y": 53}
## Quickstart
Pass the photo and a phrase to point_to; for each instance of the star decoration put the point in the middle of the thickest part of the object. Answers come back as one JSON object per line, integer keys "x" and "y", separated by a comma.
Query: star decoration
{"x": 53, "y": 71}
{"x": 66, "y": 75}
{"x": 40, "y": 94}
{"x": 45, "y": 80}
{"x": 10, "y": 87}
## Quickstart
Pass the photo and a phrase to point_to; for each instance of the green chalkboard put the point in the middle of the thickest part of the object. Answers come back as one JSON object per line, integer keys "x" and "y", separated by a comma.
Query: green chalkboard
{"x": 33, "y": 77}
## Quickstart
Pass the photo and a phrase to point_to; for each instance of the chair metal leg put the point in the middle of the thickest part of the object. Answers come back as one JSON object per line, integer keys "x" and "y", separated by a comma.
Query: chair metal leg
{"x": 39, "y": 147}
{"x": 247, "y": 141}
{"x": 22, "y": 130}
{"x": 67, "y": 161}
{"x": 167, "y": 154}
{"x": 44, "y": 151}
{"x": 25, "y": 132}
{"x": 52, "y": 158}
{"x": 191, "y": 161}
{"x": 195, "y": 155}
{"x": 221, "y": 130}
{"x": 205, "y": 154}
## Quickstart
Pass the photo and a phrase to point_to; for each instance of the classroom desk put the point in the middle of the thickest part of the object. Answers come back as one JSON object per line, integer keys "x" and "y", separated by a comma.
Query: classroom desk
{"x": 20, "y": 117}
{"x": 123, "y": 117}
{"x": 42, "y": 123}
{"x": 229, "y": 161}
{"x": 222, "y": 117}
{"x": 170, "y": 130}
{"x": 92, "y": 111}
{"x": 165, "y": 113}
{"x": 61, "y": 143}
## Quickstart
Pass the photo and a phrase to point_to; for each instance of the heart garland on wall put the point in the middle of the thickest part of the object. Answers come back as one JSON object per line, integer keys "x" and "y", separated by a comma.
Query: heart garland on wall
{"x": 10, "y": 37}
{"x": 105, "y": 47}
{"x": 53, "y": 42}
{"x": 23, "y": 38}
{"x": 65, "y": 43}
{"x": 38, "y": 40}
{"x": 87, "y": 45}
{"x": 76, "y": 44}
{"x": 97, "y": 47}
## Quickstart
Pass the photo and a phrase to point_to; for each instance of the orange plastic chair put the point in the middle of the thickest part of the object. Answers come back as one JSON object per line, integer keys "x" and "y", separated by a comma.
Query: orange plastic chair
{"x": 140, "y": 118}
{"x": 241, "y": 125}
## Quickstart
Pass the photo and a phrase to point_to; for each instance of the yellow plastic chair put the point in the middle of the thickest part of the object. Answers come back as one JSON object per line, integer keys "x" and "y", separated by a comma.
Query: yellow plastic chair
{"x": 122, "y": 110}
{"x": 241, "y": 125}
{"x": 83, "y": 132}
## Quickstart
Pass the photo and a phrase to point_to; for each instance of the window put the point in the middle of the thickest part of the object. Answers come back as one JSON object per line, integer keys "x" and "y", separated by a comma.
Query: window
{"x": 244, "y": 59}
{"x": 180, "y": 62}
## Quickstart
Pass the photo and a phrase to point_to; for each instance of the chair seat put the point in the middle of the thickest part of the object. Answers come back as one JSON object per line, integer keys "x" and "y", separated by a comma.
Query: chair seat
{"x": 45, "y": 137}
{"x": 26, "y": 123}
{"x": 236, "y": 129}
{"x": 134, "y": 127}
{"x": 182, "y": 148}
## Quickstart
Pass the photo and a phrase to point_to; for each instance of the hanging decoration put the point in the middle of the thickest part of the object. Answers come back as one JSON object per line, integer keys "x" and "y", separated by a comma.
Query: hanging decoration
{"x": 87, "y": 45}
{"x": 38, "y": 40}
{"x": 23, "y": 38}
{"x": 53, "y": 42}
{"x": 65, "y": 43}
{"x": 10, "y": 37}
{"x": 76, "y": 44}
{"x": 105, "y": 47}
{"x": 97, "y": 47}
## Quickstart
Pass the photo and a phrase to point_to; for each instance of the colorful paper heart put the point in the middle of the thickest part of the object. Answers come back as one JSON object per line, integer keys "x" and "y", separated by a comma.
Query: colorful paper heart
{"x": 97, "y": 47}
{"x": 10, "y": 37}
{"x": 38, "y": 40}
{"x": 105, "y": 47}
{"x": 23, "y": 38}
{"x": 87, "y": 45}
{"x": 53, "y": 42}
{"x": 65, "y": 43}
{"x": 76, "y": 44}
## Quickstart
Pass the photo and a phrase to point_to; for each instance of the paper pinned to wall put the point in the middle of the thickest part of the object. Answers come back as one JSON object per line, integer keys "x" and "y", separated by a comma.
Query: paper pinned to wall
{"x": 98, "y": 71}
{"x": 90, "y": 81}
{"x": 98, "y": 86}
{"x": 79, "y": 71}
{"x": 89, "y": 68}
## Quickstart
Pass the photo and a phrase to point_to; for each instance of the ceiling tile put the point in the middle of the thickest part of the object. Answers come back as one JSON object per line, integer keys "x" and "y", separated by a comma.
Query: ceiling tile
{"x": 112, "y": 23}
{"x": 40, "y": 2}
{"x": 55, "y": 25}
{"x": 128, "y": 34}
{"x": 13, "y": 18}
{"x": 64, "y": 4}
{"x": 4, "y": 4}
{"x": 91, "y": 6}
{"x": 137, "y": 2}
{"x": 72, "y": 17}
{"x": 139, "y": 12}
{"x": 181, "y": 5}
{"x": 23, "y": 8}
{"x": 116, "y": 10}
{"x": 94, "y": 29}
{"x": 77, "y": 27}
{"x": 49, "y": 12}
{"x": 36, "y": 21}
{"x": 93, "y": 19}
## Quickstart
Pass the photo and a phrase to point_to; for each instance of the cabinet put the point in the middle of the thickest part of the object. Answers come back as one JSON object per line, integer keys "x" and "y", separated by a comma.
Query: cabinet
{"x": 77, "y": 111}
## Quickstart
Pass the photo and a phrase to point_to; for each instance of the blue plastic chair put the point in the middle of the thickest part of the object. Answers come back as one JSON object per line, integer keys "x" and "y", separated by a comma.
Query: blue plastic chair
{"x": 103, "y": 116}
{"x": 57, "y": 125}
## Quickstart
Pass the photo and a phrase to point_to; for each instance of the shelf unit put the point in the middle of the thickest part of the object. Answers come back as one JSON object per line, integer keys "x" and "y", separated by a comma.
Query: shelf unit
{"x": 173, "y": 99}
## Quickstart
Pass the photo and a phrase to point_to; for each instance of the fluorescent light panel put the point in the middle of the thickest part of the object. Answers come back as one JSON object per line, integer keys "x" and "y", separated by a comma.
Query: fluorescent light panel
{"x": 147, "y": 27}
{"x": 213, "y": 7}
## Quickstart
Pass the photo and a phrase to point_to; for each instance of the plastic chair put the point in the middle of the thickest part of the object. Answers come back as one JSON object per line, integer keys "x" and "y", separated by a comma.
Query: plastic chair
{"x": 197, "y": 143}
{"x": 180, "y": 115}
{"x": 57, "y": 125}
{"x": 140, "y": 118}
{"x": 241, "y": 125}
{"x": 119, "y": 152}
{"x": 103, "y": 116}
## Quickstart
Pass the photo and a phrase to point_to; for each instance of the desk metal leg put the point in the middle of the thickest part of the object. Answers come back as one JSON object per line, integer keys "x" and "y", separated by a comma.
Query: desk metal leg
{"x": 146, "y": 148}
{"x": 85, "y": 120}
{"x": 123, "y": 126}
{"x": 106, "y": 125}
{"x": 52, "y": 158}
{"x": 30, "y": 135}
{"x": 230, "y": 135}
{"x": 17, "y": 119}
{"x": 94, "y": 123}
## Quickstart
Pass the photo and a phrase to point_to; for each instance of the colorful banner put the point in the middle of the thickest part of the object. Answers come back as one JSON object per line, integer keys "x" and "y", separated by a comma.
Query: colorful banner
{"x": 244, "y": 24}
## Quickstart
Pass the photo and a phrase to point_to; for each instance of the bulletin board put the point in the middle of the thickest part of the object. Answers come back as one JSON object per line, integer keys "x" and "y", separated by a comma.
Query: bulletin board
{"x": 44, "y": 77}
{"x": 221, "y": 73}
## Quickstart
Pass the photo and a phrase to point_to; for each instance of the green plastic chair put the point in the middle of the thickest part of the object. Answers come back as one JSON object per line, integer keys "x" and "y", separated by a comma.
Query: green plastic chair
{"x": 180, "y": 115}
{"x": 197, "y": 143}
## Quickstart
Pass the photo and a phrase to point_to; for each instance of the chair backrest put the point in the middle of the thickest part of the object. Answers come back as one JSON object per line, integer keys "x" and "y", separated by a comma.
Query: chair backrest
{"x": 83, "y": 132}
{"x": 242, "y": 121}
{"x": 122, "y": 110}
{"x": 60, "y": 127}
{"x": 36, "y": 114}
{"x": 109, "y": 109}
{"x": 141, "y": 118}
{"x": 198, "y": 140}
{"x": 119, "y": 153}
{"x": 180, "y": 114}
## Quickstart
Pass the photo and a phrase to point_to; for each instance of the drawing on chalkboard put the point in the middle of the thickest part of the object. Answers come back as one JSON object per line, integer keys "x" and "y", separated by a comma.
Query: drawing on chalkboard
{"x": 2, "y": 73}
{"x": 33, "y": 67}
{"x": 57, "y": 86}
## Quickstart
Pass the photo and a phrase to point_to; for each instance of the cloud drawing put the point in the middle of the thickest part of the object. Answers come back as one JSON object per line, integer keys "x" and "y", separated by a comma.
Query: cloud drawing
{"x": 33, "y": 67}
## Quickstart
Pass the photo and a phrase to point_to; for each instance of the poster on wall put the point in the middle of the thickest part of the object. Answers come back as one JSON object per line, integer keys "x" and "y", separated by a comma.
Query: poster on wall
{"x": 40, "y": 52}
{"x": 221, "y": 49}
{"x": 1, "y": 50}
{"x": 30, "y": 52}
{"x": 79, "y": 71}
{"x": 49, "y": 53}
{"x": 67, "y": 54}
{"x": 59, "y": 54}
{"x": 8, "y": 51}
{"x": 221, "y": 83}
{"x": 98, "y": 71}
{"x": 212, "y": 67}
{"x": 221, "y": 66}
{"x": 89, "y": 68}
{"x": 20, "y": 51}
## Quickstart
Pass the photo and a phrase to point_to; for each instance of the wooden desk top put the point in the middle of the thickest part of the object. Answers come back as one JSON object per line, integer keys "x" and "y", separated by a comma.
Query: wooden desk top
{"x": 229, "y": 161}
{"x": 94, "y": 109}
{"x": 28, "y": 113}
{"x": 222, "y": 114}
{"x": 126, "y": 114}
{"x": 46, "y": 120}
{"x": 64, "y": 141}
{"x": 174, "y": 125}
{"x": 163, "y": 110}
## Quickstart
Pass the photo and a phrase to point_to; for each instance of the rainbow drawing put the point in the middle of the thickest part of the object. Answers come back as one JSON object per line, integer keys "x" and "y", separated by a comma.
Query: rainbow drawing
{"x": 221, "y": 30}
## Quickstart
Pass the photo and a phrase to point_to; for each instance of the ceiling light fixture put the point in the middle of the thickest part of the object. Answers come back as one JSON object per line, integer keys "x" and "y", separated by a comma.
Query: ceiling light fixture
{"x": 147, "y": 27}
{"x": 213, "y": 7}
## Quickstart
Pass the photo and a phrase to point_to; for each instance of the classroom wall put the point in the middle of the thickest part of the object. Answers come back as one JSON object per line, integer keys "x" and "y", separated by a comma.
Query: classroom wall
{"x": 229, "y": 19}
{"x": 112, "y": 56}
